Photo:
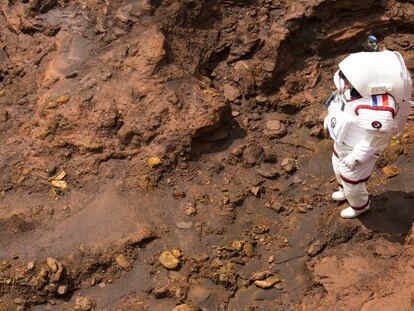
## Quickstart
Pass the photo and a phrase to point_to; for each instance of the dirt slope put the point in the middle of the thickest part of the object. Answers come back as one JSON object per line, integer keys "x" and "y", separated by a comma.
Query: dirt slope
{"x": 130, "y": 128}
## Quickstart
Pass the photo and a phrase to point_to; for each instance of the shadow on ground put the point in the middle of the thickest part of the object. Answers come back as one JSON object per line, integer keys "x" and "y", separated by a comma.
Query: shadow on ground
{"x": 392, "y": 213}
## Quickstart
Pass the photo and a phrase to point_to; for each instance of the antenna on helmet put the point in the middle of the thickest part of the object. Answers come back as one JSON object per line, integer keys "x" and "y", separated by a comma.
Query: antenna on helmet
{"x": 371, "y": 45}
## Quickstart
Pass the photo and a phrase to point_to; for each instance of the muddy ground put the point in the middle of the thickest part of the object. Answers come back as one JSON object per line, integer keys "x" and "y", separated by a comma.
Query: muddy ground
{"x": 157, "y": 154}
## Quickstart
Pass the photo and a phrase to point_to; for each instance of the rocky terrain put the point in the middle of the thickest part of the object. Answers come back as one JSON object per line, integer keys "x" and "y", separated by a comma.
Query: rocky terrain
{"x": 170, "y": 155}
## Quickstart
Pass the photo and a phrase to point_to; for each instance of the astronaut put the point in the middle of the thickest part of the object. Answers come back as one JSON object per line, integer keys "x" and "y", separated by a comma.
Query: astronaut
{"x": 371, "y": 104}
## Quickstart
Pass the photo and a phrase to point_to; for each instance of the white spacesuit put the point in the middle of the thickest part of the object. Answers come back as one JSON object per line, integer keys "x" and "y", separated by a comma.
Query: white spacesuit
{"x": 372, "y": 104}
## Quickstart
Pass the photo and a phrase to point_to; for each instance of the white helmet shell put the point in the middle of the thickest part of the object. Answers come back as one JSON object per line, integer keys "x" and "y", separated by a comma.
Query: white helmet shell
{"x": 373, "y": 73}
{"x": 337, "y": 81}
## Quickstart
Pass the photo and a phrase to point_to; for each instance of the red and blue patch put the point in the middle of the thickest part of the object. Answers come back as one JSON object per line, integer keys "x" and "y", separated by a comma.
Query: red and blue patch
{"x": 378, "y": 102}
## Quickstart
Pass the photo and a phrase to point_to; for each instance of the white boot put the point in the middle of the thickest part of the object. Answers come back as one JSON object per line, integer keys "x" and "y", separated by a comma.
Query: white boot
{"x": 349, "y": 212}
{"x": 339, "y": 195}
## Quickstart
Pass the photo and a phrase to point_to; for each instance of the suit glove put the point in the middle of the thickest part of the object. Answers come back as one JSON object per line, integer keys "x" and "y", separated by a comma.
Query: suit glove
{"x": 349, "y": 161}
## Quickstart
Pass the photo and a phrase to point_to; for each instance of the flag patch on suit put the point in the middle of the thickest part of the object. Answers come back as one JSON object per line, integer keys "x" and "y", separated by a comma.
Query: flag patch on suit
{"x": 382, "y": 102}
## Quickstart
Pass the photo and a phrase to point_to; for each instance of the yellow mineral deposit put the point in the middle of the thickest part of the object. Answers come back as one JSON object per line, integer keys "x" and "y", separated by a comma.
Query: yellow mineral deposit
{"x": 153, "y": 162}
{"x": 57, "y": 180}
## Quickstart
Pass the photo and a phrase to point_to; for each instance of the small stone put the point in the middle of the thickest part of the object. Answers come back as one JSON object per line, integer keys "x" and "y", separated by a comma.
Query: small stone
{"x": 261, "y": 99}
{"x": 87, "y": 97}
{"x": 179, "y": 294}
{"x": 254, "y": 116}
{"x": 301, "y": 209}
{"x": 123, "y": 14}
{"x": 62, "y": 99}
{"x": 43, "y": 274}
{"x": 53, "y": 103}
{"x": 315, "y": 248}
{"x": 143, "y": 234}
{"x": 58, "y": 273}
{"x": 52, "y": 264}
{"x": 153, "y": 162}
{"x": 271, "y": 259}
{"x": 261, "y": 229}
{"x": 4, "y": 116}
{"x": 237, "y": 245}
{"x": 238, "y": 151}
{"x": 190, "y": 210}
{"x": 177, "y": 253}
{"x": 71, "y": 75}
{"x": 274, "y": 125}
{"x": 267, "y": 283}
{"x": 51, "y": 302}
{"x": 179, "y": 194}
{"x": 183, "y": 307}
{"x": 278, "y": 286}
{"x": 122, "y": 262}
{"x": 310, "y": 121}
{"x": 289, "y": 165}
{"x": 317, "y": 132}
{"x": 289, "y": 107}
{"x": 268, "y": 171}
{"x": 30, "y": 266}
{"x": 51, "y": 169}
{"x": 5, "y": 265}
{"x": 255, "y": 190}
{"x": 19, "y": 301}
{"x": 297, "y": 180}
{"x": 275, "y": 129}
{"x": 184, "y": 224}
{"x": 277, "y": 207}
{"x": 268, "y": 66}
{"x": 125, "y": 135}
{"x": 270, "y": 154}
{"x": 60, "y": 184}
{"x": 106, "y": 75}
{"x": 249, "y": 249}
{"x": 199, "y": 294}
{"x": 62, "y": 290}
{"x": 235, "y": 113}
{"x": 160, "y": 292}
{"x": 52, "y": 287}
{"x": 84, "y": 303}
{"x": 260, "y": 275}
{"x": 236, "y": 198}
{"x": 231, "y": 93}
{"x": 253, "y": 154}
{"x": 168, "y": 260}
{"x": 93, "y": 281}
{"x": 390, "y": 171}
{"x": 37, "y": 209}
